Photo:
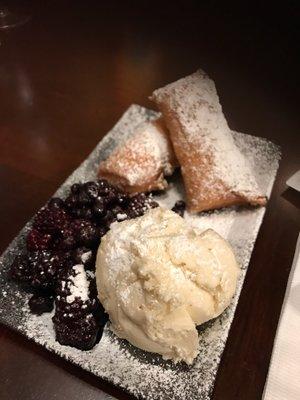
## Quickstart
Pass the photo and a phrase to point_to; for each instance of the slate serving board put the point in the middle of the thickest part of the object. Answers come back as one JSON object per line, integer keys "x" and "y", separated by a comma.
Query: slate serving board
{"x": 142, "y": 374}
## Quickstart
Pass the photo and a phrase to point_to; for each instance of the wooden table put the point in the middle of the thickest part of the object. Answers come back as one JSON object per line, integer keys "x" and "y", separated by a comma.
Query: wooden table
{"x": 65, "y": 79}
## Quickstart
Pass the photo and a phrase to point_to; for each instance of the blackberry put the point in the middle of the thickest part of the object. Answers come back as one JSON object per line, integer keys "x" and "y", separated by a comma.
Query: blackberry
{"x": 86, "y": 213}
{"x": 73, "y": 293}
{"x": 56, "y": 202}
{"x": 85, "y": 256}
{"x": 109, "y": 218}
{"x": 67, "y": 240}
{"x": 122, "y": 199}
{"x": 103, "y": 186}
{"x": 179, "y": 207}
{"x": 99, "y": 208}
{"x": 20, "y": 269}
{"x": 151, "y": 203}
{"x": 117, "y": 210}
{"x": 71, "y": 202}
{"x": 139, "y": 204}
{"x": 99, "y": 311}
{"x": 89, "y": 236}
{"x": 93, "y": 293}
{"x": 91, "y": 189}
{"x": 50, "y": 220}
{"x": 66, "y": 311}
{"x": 139, "y": 198}
{"x": 74, "y": 321}
{"x": 76, "y": 212}
{"x": 75, "y": 188}
{"x": 86, "y": 232}
{"x": 39, "y": 268}
{"x": 111, "y": 196}
{"x": 40, "y": 304}
{"x": 38, "y": 241}
{"x": 100, "y": 315}
{"x": 102, "y": 231}
{"x": 82, "y": 333}
{"x": 44, "y": 267}
{"x": 68, "y": 232}
{"x": 78, "y": 309}
{"x": 83, "y": 199}
{"x": 104, "y": 191}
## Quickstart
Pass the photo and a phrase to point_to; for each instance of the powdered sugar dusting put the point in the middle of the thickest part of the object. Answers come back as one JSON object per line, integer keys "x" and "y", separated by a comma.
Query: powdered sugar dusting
{"x": 86, "y": 256}
{"x": 204, "y": 145}
{"x": 143, "y": 374}
{"x": 142, "y": 159}
{"x": 78, "y": 284}
{"x": 149, "y": 145}
{"x": 121, "y": 216}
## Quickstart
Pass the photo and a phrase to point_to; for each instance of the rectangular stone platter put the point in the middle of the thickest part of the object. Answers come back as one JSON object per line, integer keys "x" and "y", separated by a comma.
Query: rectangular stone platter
{"x": 142, "y": 374}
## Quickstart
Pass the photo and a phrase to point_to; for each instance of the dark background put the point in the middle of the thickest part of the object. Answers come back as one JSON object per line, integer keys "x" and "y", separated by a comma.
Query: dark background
{"x": 68, "y": 75}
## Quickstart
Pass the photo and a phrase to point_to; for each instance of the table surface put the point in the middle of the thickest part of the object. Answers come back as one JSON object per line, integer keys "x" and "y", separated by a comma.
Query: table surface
{"x": 65, "y": 79}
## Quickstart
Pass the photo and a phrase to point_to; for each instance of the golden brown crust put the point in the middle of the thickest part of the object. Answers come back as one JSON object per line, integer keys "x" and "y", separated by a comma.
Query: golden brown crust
{"x": 141, "y": 163}
{"x": 198, "y": 130}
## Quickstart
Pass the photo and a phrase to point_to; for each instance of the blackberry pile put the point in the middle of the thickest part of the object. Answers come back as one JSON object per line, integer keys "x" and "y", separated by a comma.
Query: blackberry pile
{"x": 62, "y": 244}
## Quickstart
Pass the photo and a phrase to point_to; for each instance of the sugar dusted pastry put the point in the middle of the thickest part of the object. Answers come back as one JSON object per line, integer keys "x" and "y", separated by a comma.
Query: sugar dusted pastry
{"x": 158, "y": 278}
{"x": 142, "y": 162}
{"x": 214, "y": 171}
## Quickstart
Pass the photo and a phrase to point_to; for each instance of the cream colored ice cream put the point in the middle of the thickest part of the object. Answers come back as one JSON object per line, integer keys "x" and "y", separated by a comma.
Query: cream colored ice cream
{"x": 158, "y": 278}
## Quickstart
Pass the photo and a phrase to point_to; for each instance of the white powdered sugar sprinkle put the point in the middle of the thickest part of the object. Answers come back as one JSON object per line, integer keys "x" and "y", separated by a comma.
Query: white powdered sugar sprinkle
{"x": 121, "y": 216}
{"x": 146, "y": 375}
{"x": 78, "y": 284}
{"x": 206, "y": 138}
{"x": 142, "y": 159}
{"x": 86, "y": 256}
{"x": 150, "y": 146}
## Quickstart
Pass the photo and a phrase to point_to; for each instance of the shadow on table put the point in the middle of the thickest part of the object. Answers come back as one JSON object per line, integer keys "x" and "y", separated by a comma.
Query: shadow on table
{"x": 107, "y": 388}
{"x": 292, "y": 196}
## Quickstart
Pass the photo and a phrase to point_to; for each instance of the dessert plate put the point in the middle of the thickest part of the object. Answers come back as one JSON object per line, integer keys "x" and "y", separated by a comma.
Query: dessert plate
{"x": 143, "y": 374}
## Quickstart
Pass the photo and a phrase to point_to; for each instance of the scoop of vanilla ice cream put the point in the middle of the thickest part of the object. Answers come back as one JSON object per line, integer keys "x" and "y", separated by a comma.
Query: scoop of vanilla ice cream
{"x": 158, "y": 279}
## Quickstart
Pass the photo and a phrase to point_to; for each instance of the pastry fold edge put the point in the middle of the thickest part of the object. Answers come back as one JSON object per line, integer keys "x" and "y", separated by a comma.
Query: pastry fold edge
{"x": 141, "y": 163}
{"x": 214, "y": 171}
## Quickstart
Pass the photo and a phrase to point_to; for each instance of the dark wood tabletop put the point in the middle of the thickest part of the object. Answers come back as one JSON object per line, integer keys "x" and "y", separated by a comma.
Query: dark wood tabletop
{"x": 66, "y": 77}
